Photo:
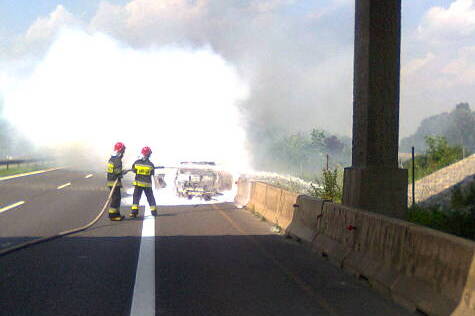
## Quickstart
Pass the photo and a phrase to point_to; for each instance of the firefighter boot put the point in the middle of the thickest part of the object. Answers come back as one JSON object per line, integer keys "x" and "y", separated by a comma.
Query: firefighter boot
{"x": 117, "y": 218}
{"x": 134, "y": 212}
{"x": 114, "y": 215}
{"x": 153, "y": 210}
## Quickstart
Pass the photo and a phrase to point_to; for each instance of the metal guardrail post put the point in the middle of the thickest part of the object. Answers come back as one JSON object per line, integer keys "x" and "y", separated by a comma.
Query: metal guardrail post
{"x": 10, "y": 162}
{"x": 413, "y": 179}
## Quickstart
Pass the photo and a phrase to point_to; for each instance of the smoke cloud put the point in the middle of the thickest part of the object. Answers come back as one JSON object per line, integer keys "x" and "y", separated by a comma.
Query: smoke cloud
{"x": 90, "y": 91}
{"x": 290, "y": 61}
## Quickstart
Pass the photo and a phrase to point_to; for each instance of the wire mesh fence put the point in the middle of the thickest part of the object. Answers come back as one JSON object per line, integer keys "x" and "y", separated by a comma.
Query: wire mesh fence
{"x": 437, "y": 188}
{"x": 7, "y": 164}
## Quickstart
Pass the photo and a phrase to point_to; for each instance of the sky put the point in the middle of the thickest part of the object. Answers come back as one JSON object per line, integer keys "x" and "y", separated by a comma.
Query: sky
{"x": 292, "y": 60}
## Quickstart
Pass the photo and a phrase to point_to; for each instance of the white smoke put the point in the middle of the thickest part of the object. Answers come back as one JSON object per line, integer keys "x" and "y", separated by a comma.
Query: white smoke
{"x": 90, "y": 91}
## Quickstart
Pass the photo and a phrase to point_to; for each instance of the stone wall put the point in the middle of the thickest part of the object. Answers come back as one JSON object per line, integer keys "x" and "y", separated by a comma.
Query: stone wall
{"x": 435, "y": 189}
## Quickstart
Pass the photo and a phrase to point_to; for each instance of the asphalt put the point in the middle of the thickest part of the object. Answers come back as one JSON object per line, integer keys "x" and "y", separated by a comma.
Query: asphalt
{"x": 210, "y": 259}
{"x": 90, "y": 273}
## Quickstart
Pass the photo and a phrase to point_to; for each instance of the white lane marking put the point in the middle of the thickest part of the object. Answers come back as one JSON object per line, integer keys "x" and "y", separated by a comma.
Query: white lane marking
{"x": 29, "y": 173}
{"x": 64, "y": 185}
{"x": 143, "y": 300}
{"x": 88, "y": 176}
{"x": 9, "y": 207}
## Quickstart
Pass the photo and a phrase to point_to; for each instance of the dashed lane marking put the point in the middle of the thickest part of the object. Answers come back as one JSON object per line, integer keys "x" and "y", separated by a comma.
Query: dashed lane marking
{"x": 9, "y": 207}
{"x": 29, "y": 174}
{"x": 143, "y": 300}
{"x": 88, "y": 176}
{"x": 64, "y": 185}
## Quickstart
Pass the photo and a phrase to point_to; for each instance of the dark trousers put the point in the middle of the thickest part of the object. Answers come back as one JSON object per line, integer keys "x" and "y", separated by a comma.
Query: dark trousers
{"x": 148, "y": 192}
{"x": 115, "y": 200}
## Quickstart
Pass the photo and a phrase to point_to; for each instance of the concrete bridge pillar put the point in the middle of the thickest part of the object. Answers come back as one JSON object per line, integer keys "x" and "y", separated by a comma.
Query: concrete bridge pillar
{"x": 374, "y": 182}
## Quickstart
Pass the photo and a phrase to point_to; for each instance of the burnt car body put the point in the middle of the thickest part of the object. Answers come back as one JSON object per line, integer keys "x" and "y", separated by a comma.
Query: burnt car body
{"x": 201, "y": 180}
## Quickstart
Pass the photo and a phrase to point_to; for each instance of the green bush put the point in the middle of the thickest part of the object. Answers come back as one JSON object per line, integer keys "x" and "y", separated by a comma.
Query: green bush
{"x": 328, "y": 186}
{"x": 457, "y": 219}
{"x": 457, "y": 199}
{"x": 439, "y": 154}
{"x": 453, "y": 221}
{"x": 463, "y": 199}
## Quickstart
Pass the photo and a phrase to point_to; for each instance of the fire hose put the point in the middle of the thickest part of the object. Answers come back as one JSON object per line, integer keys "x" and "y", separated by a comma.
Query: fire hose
{"x": 64, "y": 233}
{"x": 71, "y": 231}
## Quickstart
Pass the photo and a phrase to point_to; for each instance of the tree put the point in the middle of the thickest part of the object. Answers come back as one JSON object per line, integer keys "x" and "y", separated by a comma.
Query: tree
{"x": 317, "y": 137}
{"x": 462, "y": 126}
{"x": 300, "y": 154}
{"x": 333, "y": 145}
{"x": 294, "y": 150}
{"x": 12, "y": 143}
{"x": 4, "y": 143}
{"x": 440, "y": 153}
{"x": 458, "y": 127}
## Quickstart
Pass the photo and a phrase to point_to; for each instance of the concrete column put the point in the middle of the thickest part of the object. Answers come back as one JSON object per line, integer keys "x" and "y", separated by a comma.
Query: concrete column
{"x": 374, "y": 182}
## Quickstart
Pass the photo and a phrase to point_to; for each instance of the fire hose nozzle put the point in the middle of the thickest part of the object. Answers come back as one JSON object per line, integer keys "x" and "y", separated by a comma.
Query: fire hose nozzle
{"x": 125, "y": 172}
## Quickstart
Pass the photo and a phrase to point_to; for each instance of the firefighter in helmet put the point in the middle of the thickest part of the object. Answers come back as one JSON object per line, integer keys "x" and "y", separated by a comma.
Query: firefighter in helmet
{"x": 144, "y": 170}
{"x": 114, "y": 172}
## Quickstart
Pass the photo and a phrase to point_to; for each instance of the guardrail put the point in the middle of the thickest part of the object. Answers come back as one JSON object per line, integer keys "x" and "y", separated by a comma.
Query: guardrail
{"x": 10, "y": 162}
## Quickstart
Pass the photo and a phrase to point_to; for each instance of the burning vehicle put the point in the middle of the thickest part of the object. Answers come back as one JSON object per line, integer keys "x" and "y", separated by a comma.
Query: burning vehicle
{"x": 160, "y": 181}
{"x": 202, "y": 180}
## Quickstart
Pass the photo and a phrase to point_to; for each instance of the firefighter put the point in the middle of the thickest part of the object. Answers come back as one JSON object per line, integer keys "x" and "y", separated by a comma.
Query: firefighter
{"x": 144, "y": 170}
{"x": 114, "y": 172}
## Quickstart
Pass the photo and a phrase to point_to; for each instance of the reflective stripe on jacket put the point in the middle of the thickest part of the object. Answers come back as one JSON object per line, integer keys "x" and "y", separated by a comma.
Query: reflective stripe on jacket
{"x": 144, "y": 170}
{"x": 114, "y": 170}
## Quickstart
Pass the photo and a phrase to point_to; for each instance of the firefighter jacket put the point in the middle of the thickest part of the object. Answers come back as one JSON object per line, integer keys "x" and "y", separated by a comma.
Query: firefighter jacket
{"x": 144, "y": 170}
{"x": 114, "y": 171}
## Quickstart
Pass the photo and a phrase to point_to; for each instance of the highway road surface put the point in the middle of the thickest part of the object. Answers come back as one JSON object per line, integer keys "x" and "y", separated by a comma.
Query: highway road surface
{"x": 210, "y": 259}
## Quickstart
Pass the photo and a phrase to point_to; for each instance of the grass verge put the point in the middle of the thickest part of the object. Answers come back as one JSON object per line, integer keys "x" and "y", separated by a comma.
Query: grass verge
{"x": 459, "y": 222}
{"x": 4, "y": 172}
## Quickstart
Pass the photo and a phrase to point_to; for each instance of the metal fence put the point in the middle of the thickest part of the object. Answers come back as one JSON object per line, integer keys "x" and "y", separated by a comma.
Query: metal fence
{"x": 437, "y": 188}
{"x": 9, "y": 163}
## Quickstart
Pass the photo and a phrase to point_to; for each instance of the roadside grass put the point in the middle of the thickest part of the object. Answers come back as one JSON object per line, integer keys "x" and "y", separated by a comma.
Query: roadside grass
{"x": 456, "y": 222}
{"x": 457, "y": 219}
{"x": 13, "y": 170}
{"x": 259, "y": 216}
{"x": 276, "y": 229}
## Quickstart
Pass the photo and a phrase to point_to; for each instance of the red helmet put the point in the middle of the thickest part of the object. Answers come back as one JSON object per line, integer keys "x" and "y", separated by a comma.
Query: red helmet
{"x": 119, "y": 147}
{"x": 146, "y": 151}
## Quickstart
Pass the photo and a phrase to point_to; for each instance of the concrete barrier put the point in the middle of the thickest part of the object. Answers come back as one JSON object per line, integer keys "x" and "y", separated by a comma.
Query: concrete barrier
{"x": 243, "y": 193}
{"x": 436, "y": 273}
{"x": 304, "y": 223}
{"x": 332, "y": 237}
{"x": 420, "y": 268}
{"x": 274, "y": 204}
{"x": 251, "y": 204}
{"x": 285, "y": 212}
{"x": 258, "y": 197}
{"x": 271, "y": 205}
